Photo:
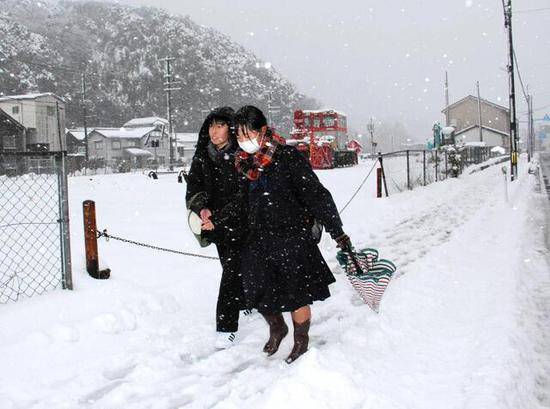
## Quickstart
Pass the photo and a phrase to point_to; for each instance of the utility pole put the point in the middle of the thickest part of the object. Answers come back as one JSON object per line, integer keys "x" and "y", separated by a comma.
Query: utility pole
{"x": 446, "y": 99}
{"x": 269, "y": 118}
{"x": 479, "y": 112}
{"x": 271, "y": 109}
{"x": 532, "y": 122}
{"x": 513, "y": 119}
{"x": 168, "y": 88}
{"x": 370, "y": 127}
{"x": 84, "y": 113}
{"x": 532, "y": 140}
{"x": 529, "y": 124}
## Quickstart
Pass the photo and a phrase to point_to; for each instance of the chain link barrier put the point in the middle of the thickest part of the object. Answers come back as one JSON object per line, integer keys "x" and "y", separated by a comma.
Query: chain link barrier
{"x": 359, "y": 188}
{"x": 108, "y": 236}
{"x": 34, "y": 235}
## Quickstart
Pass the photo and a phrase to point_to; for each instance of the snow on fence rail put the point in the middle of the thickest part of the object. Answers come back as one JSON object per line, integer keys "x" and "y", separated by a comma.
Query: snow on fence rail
{"x": 410, "y": 168}
{"x": 34, "y": 225}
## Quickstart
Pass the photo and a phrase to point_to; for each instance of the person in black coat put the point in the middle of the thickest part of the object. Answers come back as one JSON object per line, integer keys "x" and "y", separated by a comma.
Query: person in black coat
{"x": 282, "y": 268}
{"x": 211, "y": 188}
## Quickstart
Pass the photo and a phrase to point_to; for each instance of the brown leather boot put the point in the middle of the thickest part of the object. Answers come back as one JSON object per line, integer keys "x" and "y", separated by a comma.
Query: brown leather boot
{"x": 301, "y": 340}
{"x": 277, "y": 331}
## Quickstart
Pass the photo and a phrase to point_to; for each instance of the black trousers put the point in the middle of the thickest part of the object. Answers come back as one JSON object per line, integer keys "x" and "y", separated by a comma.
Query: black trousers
{"x": 230, "y": 295}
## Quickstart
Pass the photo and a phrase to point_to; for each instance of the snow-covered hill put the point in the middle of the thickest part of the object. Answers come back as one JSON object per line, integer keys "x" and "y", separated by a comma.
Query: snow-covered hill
{"x": 46, "y": 45}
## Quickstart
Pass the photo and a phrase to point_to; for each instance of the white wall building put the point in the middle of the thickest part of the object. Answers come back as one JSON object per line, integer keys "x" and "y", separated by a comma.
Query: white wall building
{"x": 43, "y": 116}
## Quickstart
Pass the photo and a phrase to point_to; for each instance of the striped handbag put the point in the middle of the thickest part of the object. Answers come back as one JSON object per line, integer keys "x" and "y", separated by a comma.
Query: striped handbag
{"x": 368, "y": 275}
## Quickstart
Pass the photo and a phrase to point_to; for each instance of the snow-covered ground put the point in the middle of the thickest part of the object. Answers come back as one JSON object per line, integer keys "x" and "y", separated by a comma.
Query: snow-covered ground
{"x": 464, "y": 325}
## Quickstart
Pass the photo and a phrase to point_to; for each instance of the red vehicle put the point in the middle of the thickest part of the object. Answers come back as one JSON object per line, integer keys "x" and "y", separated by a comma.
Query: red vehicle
{"x": 322, "y": 136}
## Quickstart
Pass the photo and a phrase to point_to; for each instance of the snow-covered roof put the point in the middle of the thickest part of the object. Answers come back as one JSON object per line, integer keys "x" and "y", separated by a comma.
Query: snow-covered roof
{"x": 138, "y": 152}
{"x": 447, "y": 130}
{"x": 134, "y": 133}
{"x": 4, "y": 116}
{"x": 30, "y": 96}
{"x": 147, "y": 121}
{"x": 323, "y": 111}
{"x": 78, "y": 133}
{"x": 187, "y": 137}
{"x": 498, "y": 149}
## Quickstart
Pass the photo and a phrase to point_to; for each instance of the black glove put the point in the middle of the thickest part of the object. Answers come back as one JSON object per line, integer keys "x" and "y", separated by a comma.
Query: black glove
{"x": 344, "y": 242}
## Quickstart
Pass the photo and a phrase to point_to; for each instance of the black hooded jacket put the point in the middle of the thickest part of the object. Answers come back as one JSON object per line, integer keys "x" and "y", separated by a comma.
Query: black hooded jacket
{"x": 213, "y": 184}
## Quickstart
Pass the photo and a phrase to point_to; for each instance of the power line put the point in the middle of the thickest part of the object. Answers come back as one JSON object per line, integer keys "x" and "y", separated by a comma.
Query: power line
{"x": 520, "y": 79}
{"x": 532, "y": 10}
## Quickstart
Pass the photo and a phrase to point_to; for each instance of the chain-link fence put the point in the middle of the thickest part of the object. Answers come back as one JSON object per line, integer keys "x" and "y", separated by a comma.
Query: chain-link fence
{"x": 34, "y": 224}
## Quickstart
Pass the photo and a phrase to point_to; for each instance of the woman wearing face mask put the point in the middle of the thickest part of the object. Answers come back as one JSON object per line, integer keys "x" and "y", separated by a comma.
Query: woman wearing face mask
{"x": 211, "y": 189}
{"x": 282, "y": 268}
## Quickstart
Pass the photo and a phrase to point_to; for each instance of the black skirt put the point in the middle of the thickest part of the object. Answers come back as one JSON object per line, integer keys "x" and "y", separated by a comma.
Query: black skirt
{"x": 283, "y": 273}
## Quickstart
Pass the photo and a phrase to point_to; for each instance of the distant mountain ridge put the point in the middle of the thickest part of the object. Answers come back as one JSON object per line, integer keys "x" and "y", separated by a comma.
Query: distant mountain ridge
{"x": 47, "y": 45}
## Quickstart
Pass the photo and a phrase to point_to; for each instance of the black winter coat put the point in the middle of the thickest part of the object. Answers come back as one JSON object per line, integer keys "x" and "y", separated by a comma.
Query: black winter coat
{"x": 282, "y": 267}
{"x": 288, "y": 196}
{"x": 213, "y": 184}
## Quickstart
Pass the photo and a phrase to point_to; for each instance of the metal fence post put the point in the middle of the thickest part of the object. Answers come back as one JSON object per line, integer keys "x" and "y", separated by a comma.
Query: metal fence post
{"x": 424, "y": 166}
{"x": 408, "y": 172}
{"x": 436, "y": 166}
{"x": 446, "y": 166}
{"x": 65, "y": 235}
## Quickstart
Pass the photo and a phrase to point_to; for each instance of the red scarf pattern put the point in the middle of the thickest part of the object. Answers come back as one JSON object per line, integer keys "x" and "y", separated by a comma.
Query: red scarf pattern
{"x": 251, "y": 165}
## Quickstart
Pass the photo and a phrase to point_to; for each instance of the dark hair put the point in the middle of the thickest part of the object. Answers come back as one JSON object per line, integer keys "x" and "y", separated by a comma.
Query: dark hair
{"x": 250, "y": 117}
{"x": 223, "y": 115}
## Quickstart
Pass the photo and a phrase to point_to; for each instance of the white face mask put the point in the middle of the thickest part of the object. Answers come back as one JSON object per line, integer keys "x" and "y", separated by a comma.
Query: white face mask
{"x": 250, "y": 146}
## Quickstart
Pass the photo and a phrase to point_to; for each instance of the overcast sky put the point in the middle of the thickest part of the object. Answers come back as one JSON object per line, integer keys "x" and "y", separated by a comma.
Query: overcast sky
{"x": 387, "y": 59}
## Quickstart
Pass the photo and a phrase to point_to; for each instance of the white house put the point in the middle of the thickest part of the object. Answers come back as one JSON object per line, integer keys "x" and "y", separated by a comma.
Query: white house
{"x": 42, "y": 115}
{"x": 113, "y": 145}
{"x": 186, "y": 145}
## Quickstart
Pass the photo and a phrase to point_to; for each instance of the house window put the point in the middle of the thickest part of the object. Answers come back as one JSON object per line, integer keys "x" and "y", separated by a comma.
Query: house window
{"x": 130, "y": 143}
{"x": 98, "y": 145}
{"x": 342, "y": 121}
{"x": 328, "y": 120}
{"x": 115, "y": 144}
{"x": 15, "y": 110}
{"x": 50, "y": 111}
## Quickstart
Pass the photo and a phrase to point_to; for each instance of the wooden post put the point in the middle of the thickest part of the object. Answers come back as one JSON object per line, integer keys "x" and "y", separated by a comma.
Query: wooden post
{"x": 381, "y": 160}
{"x": 90, "y": 242}
{"x": 379, "y": 182}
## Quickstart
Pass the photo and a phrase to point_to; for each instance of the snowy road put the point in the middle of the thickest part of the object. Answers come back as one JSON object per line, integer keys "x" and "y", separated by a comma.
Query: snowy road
{"x": 462, "y": 326}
